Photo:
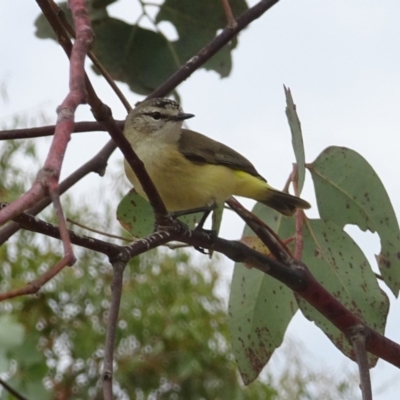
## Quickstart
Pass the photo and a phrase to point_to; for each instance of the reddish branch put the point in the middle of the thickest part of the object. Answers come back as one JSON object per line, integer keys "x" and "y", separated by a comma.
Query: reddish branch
{"x": 97, "y": 164}
{"x": 67, "y": 26}
{"x": 47, "y": 178}
{"x": 34, "y": 286}
{"x": 263, "y": 231}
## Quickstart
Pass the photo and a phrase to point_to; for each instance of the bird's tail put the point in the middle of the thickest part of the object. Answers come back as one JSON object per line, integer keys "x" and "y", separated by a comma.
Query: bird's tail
{"x": 284, "y": 203}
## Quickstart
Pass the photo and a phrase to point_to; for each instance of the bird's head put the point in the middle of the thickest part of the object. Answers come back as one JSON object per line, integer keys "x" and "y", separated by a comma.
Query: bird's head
{"x": 160, "y": 118}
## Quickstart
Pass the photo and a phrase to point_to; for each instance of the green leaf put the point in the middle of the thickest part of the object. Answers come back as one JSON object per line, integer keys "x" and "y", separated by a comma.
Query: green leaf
{"x": 194, "y": 32}
{"x": 349, "y": 191}
{"x": 260, "y": 308}
{"x": 341, "y": 268}
{"x": 297, "y": 138}
{"x": 135, "y": 214}
{"x": 142, "y": 58}
{"x": 139, "y": 57}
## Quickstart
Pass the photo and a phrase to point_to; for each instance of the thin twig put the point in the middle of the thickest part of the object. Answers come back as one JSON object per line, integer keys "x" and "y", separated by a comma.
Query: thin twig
{"x": 34, "y": 286}
{"x": 88, "y": 228}
{"x": 263, "y": 231}
{"x": 62, "y": 225}
{"x": 212, "y": 48}
{"x": 27, "y": 133}
{"x": 118, "y": 267}
{"x": 358, "y": 337}
{"x": 171, "y": 246}
{"x": 97, "y": 164}
{"x": 11, "y": 390}
{"x": 229, "y": 15}
{"x": 94, "y": 59}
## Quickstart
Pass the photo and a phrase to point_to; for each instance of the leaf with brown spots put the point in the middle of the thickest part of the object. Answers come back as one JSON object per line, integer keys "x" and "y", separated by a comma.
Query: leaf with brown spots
{"x": 349, "y": 191}
{"x": 342, "y": 269}
{"x": 260, "y": 307}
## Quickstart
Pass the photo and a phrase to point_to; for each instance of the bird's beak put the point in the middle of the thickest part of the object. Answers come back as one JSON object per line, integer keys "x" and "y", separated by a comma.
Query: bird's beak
{"x": 181, "y": 117}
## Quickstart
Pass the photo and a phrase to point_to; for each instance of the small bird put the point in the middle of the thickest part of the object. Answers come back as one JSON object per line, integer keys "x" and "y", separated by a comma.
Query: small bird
{"x": 191, "y": 170}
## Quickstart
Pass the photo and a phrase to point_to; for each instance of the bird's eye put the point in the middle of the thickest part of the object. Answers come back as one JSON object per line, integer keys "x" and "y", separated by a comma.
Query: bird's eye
{"x": 156, "y": 115}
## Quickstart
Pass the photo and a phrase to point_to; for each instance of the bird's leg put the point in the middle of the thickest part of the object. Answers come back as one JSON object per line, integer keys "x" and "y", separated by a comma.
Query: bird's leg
{"x": 206, "y": 210}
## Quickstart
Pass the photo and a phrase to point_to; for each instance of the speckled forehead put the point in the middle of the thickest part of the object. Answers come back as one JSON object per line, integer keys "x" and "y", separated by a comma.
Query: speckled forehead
{"x": 167, "y": 104}
{"x": 163, "y": 104}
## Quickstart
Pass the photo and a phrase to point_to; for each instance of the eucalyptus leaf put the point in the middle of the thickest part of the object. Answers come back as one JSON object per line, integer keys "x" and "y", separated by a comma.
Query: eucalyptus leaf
{"x": 145, "y": 58}
{"x": 195, "y": 32}
{"x": 341, "y": 268}
{"x": 349, "y": 191}
{"x": 260, "y": 307}
{"x": 339, "y": 265}
{"x": 136, "y": 215}
{"x": 139, "y": 57}
{"x": 142, "y": 58}
{"x": 297, "y": 138}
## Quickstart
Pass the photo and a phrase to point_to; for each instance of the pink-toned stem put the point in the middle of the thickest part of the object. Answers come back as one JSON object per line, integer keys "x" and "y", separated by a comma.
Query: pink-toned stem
{"x": 37, "y": 284}
{"x": 47, "y": 178}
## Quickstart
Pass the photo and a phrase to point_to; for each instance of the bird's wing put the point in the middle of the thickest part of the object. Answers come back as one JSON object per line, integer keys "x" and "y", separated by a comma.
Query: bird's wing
{"x": 200, "y": 149}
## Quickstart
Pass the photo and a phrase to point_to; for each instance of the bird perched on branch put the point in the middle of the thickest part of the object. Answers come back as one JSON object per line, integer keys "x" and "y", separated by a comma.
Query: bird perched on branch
{"x": 191, "y": 170}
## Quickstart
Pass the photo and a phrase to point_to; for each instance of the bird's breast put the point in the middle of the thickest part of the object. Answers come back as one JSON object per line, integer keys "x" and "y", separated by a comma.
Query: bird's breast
{"x": 182, "y": 184}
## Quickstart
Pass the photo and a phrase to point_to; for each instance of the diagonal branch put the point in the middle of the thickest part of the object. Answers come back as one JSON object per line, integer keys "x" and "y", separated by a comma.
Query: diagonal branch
{"x": 213, "y": 47}
{"x": 97, "y": 164}
{"x": 263, "y": 231}
{"x": 34, "y": 286}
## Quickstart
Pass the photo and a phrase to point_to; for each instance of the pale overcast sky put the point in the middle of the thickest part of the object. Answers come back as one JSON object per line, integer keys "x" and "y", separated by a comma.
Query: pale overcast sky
{"x": 341, "y": 60}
